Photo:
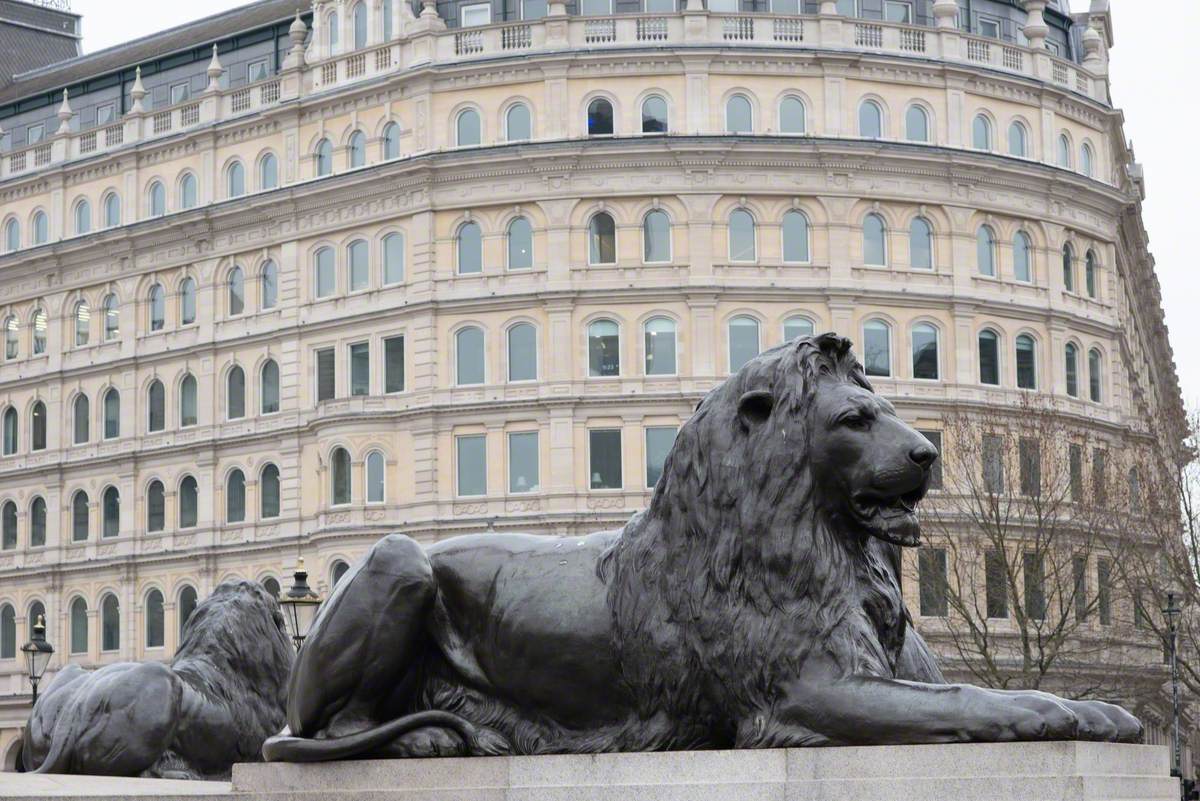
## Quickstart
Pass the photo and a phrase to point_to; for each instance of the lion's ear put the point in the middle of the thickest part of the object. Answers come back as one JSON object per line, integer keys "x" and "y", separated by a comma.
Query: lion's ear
{"x": 755, "y": 406}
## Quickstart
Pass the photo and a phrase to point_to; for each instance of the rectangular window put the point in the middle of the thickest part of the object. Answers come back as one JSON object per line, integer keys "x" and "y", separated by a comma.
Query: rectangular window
{"x": 664, "y": 7}
{"x": 477, "y": 14}
{"x": 393, "y": 364}
{"x": 931, "y": 564}
{"x": 257, "y": 71}
{"x": 847, "y": 8}
{"x": 533, "y": 9}
{"x": 106, "y": 113}
{"x": 659, "y": 440}
{"x": 989, "y": 27}
{"x": 179, "y": 93}
{"x": 34, "y": 134}
{"x": 993, "y": 463}
{"x": 360, "y": 369}
{"x": 898, "y": 11}
{"x": 779, "y": 6}
{"x": 723, "y": 6}
{"x": 1140, "y": 613}
{"x": 326, "y": 388}
{"x": 605, "y": 458}
{"x": 1079, "y": 575}
{"x": 595, "y": 8}
{"x": 1035, "y": 586}
{"x": 1075, "y": 457}
{"x": 1053, "y": 48}
{"x": 472, "y": 464}
{"x": 996, "y": 579}
{"x": 1030, "y": 458}
{"x": 523, "y": 461}
{"x": 1099, "y": 479}
{"x": 935, "y": 470}
{"x": 1104, "y": 591}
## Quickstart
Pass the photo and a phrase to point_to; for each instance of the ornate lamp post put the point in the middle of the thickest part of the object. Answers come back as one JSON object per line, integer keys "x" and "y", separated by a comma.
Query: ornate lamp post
{"x": 37, "y": 654}
{"x": 300, "y": 605}
{"x": 1173, "y": 613}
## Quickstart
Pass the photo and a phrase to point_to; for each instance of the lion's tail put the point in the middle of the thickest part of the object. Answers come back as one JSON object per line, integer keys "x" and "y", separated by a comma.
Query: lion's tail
{"x": 478, "y": 741}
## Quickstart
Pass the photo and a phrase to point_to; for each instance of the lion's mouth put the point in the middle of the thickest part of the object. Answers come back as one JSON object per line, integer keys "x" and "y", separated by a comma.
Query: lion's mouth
{"x": 891, "y": 518}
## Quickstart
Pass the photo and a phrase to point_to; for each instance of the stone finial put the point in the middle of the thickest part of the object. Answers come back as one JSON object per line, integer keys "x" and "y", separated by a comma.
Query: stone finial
{"x": 829, "y": 8}
{"x": 137, "y": 92}
{"x": 64, "y": 115}
{"x": 556, "y": 8}
{"x": 1035, "y": 29}
{"x": 297, "y": 33}
{"x": 1093, "y": 49}
{"x": 429, "y": 8}
{"x": 945, "y": 12}
{"x": 214, "y": 72}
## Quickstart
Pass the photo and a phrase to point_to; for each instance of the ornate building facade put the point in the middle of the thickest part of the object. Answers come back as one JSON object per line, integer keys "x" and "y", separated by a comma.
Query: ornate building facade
{"x": 273, "y": 287}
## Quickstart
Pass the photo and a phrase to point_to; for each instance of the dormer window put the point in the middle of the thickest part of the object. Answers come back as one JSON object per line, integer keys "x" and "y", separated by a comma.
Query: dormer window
{"x": 476, "y": 14}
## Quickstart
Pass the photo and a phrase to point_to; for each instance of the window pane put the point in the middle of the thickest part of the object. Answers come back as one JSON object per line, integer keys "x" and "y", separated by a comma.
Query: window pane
{"x": 469, "y": 355}
{"x": 522, "y": 353}
{"x": 326, "y": 278}
{"x": 391, "y": 137}
{"x": 600, "y": 111}
{"x": 158, "y": 200}
{"x": 270, "y": 491}
{"x": 989, "y": 358}
{"x": 791, "y": 115}
{"x": 326, "y": 388}
{"x": 1029, "y": 463}
{"x": 358, "y": 149}
{"x": 187, "y": 302}
{"x": 604, "y": 349}
{"x": 931, "y": 564}
{"x": 8, "y": 527}
{"x": 1026, "y": 366}
{"x": 189, "y": 503}
{"x": 360, "y": 369}
{"x": 324, "y": 158}
{"x": 874, "y": 246}
{"x": 360, "y": 271}
{"x": 237, "y": 180}
{"x": 82, "y": 420}
{"x": 39, "y": 332}
{"x": 925, "y": 352}
{"x": 985, "y": 251}
{"x": 877, "y": 348}
{"x": 981, "y": 133}
{"x": 742, "y": 244}
{"x": 935, "y": 470}
{"x": 340, "y": 476}
{"x": 1094, "y": 375}
{"x": 470, "y": 249}
{"x": 468, "y": 129}
{"x": 187, "y": 401}
{"x": 187, "y": 605}
{"x": 520, "y": 244}
{"x": 157, "y": 401}
{"x": 236, "y": 394}
{"x": 743, "y": 342}
{"x": 523, "y": 461}
{"x": 268, "y": 172}
{"x": 654, "y": 114}
{"x": 996, "y": 579}
{"x": 739, "y": 115}
{"x": 920, "y": 245}
{"x": 1035, "y": 586}
{"x": 393, "y": 258}
{"x": 1068, "y": 267}
{"x": 270, "y": 285}
{"x": 393, "y": 364}
{"x": 41, "y": 228}
{"x": 1016, "y": 139}
{"x": 235, "y": 497}
{"x": 602, "y": 240}
{"x": 79, "y": 626}
{"x": 1064, "y": 152}
{"x": 660, "y": 346}
{"x": 472, "y": 465}
{"x": 1071, "y": 362}
{"x": 237, "y": 291}
{"x": 517, "y": 124}
{"x": 1021, "y": 257}
{"x": 37, "y": 523}
{"x": 870, "y": 120}
{"x": 83, "y": 322}
{"x": 79, "y": 517}
{"x": 916, "y": 124}
{"x": 112, "y": 414}
{"x": 605, "y": 458}
{"x": 187, "y": 191}
{"x": 993, "y": 464}
{"x": 39, "y": 427}
{"x": 11, "y": 429}
{"x": 658, "y": 444}
{"x": 359, "y": 18}
{"x": 156, "y": 514}
{"x": 795, "y": 237}
{"x": 656, "y": 237}
{"x": 154, "y": 619}
{"x": 795, "y": 327}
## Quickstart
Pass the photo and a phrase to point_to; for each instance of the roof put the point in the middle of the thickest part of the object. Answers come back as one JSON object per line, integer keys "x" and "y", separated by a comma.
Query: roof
{"x": 182, "y": 37}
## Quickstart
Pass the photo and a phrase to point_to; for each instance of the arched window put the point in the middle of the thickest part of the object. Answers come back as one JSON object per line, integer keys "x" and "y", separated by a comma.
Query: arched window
{"x": 924, "y": 351}
{"x": 602, "y": 239}
{"x": 604, "y": 349}
{"x": 156, "y": 507}
{"x": 237, "y": 291}
{"x": 877, "y": 348}
{"x": 337, "y": 571}
{"x": 187, "y": 191}
{"x": 469, "y": 248}
{"x": 920, "y": 244}
{"x": 158, "y": 308}
{"x": 188, "y": 406}
{"x": 656, "y": 237}
{"x": 1071, "y": 362}
{"x": 268, "y": 491}
{"x": 1022, "y": 257}
{"x": 8, "y": 526}
{"x": 870, "y": 120}
{"x": 522, "y": 352}
{"x": 981, "y": 133}
{"x": 83, "y": 323}
{"x": 795, "y": 237}
{"x": 110, "y": 522}
{"x": 37, "y": 523}
{"x": 792, "y": 115}
{"x": 157, "y": 197}
{"x": 743, "y": 341}
{"x": 600, "y": 117}
{"x": 83, "y": 217}
{"x": 12, "y": 235}
{"x": 654, "y": 115}
{"x": 235, "y": 394}
{"x": 467, "y": 129}
{"x": 156, "y": 403}
{"x": 358, "y": 265}
{"x": 989, "y": 357}
{"x": 1017, "y": 140}
{"x": 112, "y": 318}
{"x": 82, "y": 419}
{"x": 796, "y": 327}
{"x": 324, "y": 158}
{"x": 874, "y": 240}
{"x": 38, "y": 424}
{"x": 1089, "y": 274}
{"x": 469, "y": 357}
{"x": 1026, "y": 362}
{"x": 235, "y": 497}
{"x": 268, "y": 172}
{"x": 187, "y": 302}
{"x": 1064, "y": 151}
{"x": 332, "y": 31}
{"x": 185, "y": 608}
{"x": 8, "y": 632}
{"x": 985, "y": 250}
{"x": 520, "y": 244}
{"x": 41, "y": 228}
{"x": 155, "y": 619}
{"x": 739, "y": 115}
{"x": 743, "y": 236}
{"x": 1095, "y": 376}
{"x": 39, "y": 332}
{"x": 112, "y": 414}
{"x": 112, "y": 210}
{"x": 79, "y": 517}
{"x": 376, "y": 477}
{"x": 325, "y": 275}
{"x": 518, "y": 125}
{"x": 189, "y": 502}
{"x": 235, "y": 180}
{"x": 358, "y": 149}
{"x": 916, "y": 124}
{"x": 660, "y": 346}
{"x": 391, "y": 141}
{"x": 339, "y": 468}
{"x": 1086, "y": 160}
{"x": 359, "y": 17}
{"x": 269, "y": 387}
{"x": 12, "y": 340}
{"x": 1068, "y": 267}
{"x": 10, "y": 431}
{"x": 270, "y": 284}
{"x": 110, "y": 623}
{"x": 79, "y": 626}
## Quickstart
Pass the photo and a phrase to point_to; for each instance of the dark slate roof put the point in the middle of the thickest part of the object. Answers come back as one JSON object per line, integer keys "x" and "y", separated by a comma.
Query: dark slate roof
{"x": 129, "y": 54}
{"x": 23, "y": 49}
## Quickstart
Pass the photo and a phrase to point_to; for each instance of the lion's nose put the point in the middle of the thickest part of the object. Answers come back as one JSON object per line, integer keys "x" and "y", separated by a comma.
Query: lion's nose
{"x": 924, "y": 455}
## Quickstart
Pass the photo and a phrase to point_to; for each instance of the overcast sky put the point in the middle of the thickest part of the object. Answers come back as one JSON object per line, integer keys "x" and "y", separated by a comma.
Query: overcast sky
{"x": 1153, "y": 80}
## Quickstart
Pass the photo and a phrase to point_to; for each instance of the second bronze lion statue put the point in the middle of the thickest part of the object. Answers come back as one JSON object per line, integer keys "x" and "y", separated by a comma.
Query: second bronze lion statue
{"x": 756, "y": 603}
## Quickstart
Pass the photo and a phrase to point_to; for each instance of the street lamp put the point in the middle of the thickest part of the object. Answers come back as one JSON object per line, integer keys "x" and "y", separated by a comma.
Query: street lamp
{"x": 1173, "y": 613}
{"x": 37, "y": 654}
{"x": 300, "y": 605}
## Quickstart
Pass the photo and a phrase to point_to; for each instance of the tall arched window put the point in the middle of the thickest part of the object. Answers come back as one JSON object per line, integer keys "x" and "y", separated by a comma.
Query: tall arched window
{"x": 268, "y": 492}
{"x": 985, "y": 251}
{"x": 156, "y": 407}
{"x": 235, "y": 497}
{"x": 270, "y": 284}
{"x": 981, "y": 133}
{"x": 1026, "y": 362}
{"x": 467, "y": 129}
{"x": 792, "y": 115}
{"x": 188, "y": 405}
{"x": 874, "y": 240}
{"x": 83, "y": 217}
{"x": 37, "y": 523}
{"x": 187, "y": 301}
{"x": 337, "y": 571}
{"x": 8, "y": 632}
{"x": 358, "y": 149}
{"x": 1071, "y": 362}
{"x": 235, "y": 180}
{"x": 391, "y": 141}
{"x": 989, "y": 357}
{"x": 1064, "y": 151}
{"x": 82, "y": 419}
{"x": 268, "y": 389}
{"x": 156, "y": 196}
{"x": 1022, "y": 257}
{"x": 158, "y": 308}
{"x": 112, "y": 210}
{"x": 870, "y": 120}
{"x": 79, "y": 517}
{"x": 155, "y": 619}
{"x": 112, "y": 318}
{"x": 602, "y": 239}
{"x": 376, "y": 477}
{"x": 1068, "y": 267}
{"x": 38, "y": 425}
{"x": 235, "y": 394}
{"x": 110, "y": 623}
{"x": 359, "y": 17}
{"x": 739, "y": 115}
{"x": 924, "y": 351}
{"x": 744, "y": 343}
{"x": 39, "y": 332}
{"x": 1089, "y": 274}
{"x": 604, "y": 349}
{"x": 1095, "y": 375}
{"x": 187, "y": 191}
{"x": 600, "y": 117}
{"x": 237, "y": 291}
{"x": 1086, "y": 160}
{"x": 743, "y": 236}
{"x": 796, "y": 327}
{"x": 518, "y": 125}
{"x": 916, "y": 124}
{"x": 189, "y": 502}
{"x": 12, "y": 341}
{"x": 323, "y": 156}
{"x": 660, "y": 346}
{"x": 332, "y": 31}
{"x": 656, "y": 237}
{"x": 8, "y": 526}
{"x": 268, "y": 172}
{"x": 186, "y": 606}
{"x": 469, "y": 248}
{"x": 156, "y": 507}
{"x": 654, "y": 115}
{"x": 41, "y": 228}
{"x": 325, "y": 275}
{"x": 79, "y": 626}
{"x": 1017, "y": 140}
{"x": 12, "y": 235}
{"x": 522, "y": 352}
{"x": 11, "y": 430}
{"x": 110, "y": 523}
{"x": 112, "y": 414}
{"x": 469, "y": 356}
{"x": 358, "y": 265}
{"x": 339, "y": 469}
{"x": 877, "y": 348}
{"x": 920, "y": 244}
{"x": 83, "y": 323}
{"x": 795, "y": 237}
{"x": 520, "y": 244}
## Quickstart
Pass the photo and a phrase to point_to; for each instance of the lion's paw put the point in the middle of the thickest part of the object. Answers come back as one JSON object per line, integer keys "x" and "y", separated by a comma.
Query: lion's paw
{"x": 1043, "y": 717}
{"x": 429, "y": 741}
{"x": 489, "y": 742}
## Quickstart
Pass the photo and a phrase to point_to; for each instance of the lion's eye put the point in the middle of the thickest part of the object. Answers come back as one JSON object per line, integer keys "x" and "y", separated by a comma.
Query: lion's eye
{"x": 854, "y": 420}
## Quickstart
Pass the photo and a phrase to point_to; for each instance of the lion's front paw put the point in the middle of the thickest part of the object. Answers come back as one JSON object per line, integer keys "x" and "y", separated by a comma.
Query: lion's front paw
{"x": 1038, "y": 716}
{"x": 1106, "y": 722}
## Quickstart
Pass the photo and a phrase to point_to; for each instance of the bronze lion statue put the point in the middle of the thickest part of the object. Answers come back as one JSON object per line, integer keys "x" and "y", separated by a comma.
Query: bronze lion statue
{"x": 212, "y": 706}
{"x": 755, "y": 604}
